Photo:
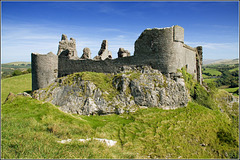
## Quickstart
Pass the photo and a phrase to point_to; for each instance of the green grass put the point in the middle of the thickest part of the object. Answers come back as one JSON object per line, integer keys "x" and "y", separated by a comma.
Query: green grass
{"x": 31, "y": 129}
{"x": 16, "y": 85}
{"x": 232, "y": 90}
{"x": 101, "y": 80}
{"x": 234, "y": 69}
{"x": 205, "y": 76}
{"x": 209, "y": 80}
{"x": 212, "y": 72}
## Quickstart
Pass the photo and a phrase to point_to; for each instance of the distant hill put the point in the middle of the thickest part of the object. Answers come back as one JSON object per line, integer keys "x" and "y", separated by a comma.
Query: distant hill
{"x": 9, "y": 68}
{"x": 220, "y": 61}
{"x": 17, "y": 63}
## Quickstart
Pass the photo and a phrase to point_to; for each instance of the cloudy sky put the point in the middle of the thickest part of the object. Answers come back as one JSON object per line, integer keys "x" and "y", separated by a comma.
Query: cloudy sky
{"x": 37, "y": 26}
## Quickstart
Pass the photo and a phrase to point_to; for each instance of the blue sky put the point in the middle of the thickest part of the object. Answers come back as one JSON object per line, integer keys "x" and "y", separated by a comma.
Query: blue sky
{"x": 37, "y": 26}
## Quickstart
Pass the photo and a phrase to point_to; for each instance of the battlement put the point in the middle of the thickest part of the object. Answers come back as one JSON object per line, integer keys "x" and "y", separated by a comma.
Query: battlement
{"x": 160, "y": 48}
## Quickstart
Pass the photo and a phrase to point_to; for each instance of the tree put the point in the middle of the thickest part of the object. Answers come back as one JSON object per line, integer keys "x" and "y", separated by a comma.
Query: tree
{"x": 16, "y": 73}
{"x": 29, "y": 70}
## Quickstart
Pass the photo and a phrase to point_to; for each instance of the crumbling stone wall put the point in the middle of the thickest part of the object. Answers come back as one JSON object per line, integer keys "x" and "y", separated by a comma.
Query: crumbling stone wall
{"x": 104, "y": 53}
{"x": 67, "y": 46}
{"x": 161, "y": 48}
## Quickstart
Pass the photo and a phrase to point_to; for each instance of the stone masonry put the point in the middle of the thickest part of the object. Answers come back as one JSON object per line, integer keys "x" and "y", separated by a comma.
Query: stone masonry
{"x": 69, "y": 46}
{"x": 104, "y": 53}
{"x": 160, "y": 48}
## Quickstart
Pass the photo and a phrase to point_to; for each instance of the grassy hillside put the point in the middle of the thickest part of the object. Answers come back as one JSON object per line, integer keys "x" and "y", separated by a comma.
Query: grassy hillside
{"x": 221, "y": 61}
{"x": 31, "y": 128}
{"x": 16, "y": 85}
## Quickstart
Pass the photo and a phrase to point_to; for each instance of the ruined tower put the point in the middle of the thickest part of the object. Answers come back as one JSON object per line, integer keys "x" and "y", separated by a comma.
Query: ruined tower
{"x": 44, "y": 69}
{"x": 165, "y": 49}
{"x": 67, "y": 46}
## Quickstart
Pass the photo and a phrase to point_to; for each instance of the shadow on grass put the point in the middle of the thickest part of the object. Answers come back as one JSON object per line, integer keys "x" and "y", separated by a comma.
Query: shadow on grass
{"x": 28, "y": 91}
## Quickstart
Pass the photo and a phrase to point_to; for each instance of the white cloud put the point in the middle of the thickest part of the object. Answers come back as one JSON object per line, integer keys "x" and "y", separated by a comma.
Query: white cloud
{"x": 18, "y": 42}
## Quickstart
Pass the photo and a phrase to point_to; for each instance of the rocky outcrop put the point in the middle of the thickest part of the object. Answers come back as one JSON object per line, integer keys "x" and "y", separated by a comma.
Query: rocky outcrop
{"x": 104, "y": 53}
{"x": 86, "y": 53}
{"x": 129, "y": 89}
{"x": 123, "y": 53}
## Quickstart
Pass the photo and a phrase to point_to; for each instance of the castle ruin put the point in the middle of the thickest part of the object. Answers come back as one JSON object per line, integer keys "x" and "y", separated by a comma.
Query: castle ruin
{"x": 161, "y": 48}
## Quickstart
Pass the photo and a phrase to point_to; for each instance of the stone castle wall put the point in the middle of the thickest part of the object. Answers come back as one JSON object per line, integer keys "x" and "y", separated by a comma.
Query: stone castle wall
{"x": 160, "y": 48}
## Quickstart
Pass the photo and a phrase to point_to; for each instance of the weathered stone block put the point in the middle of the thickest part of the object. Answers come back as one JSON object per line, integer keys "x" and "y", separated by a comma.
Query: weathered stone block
{"x": 123, "y": 53}
{"x": 104, "y": 53}
{"x": 86, "y": 53}
{"x": 178, "y": 33}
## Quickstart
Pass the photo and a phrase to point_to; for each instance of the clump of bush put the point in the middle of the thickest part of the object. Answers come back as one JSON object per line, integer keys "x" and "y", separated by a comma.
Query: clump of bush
{"x": 18, "y": 72}
{"x": 198, "y": 93}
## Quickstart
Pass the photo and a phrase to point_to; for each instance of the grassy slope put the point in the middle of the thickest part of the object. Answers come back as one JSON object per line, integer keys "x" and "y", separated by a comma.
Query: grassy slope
{"x": 16, "y": 85}
{"x": 31, "y": 129}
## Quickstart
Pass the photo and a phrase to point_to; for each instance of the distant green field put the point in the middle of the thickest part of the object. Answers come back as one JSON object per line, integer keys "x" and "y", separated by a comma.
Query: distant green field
{"x": 8, "y": 68}
{"x": 234, "y": 69}
{"x": 232, "y": 90}
{"x": 205, "y": 76}
{"x": 16, "y": 65}
{"x": 209, "y": 80}
{"x": 16, "y": 85}
{"x": 212, "y": 72}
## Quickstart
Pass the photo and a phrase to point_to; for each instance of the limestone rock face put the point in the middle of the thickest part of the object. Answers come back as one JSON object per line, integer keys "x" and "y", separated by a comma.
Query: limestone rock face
{"x": 67, "y": 47}
{"x": 104, "y": 53}
{"x": 131, "y": 88}
{"x": 86, "y": 53}
{"x": 123, "y": 53}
